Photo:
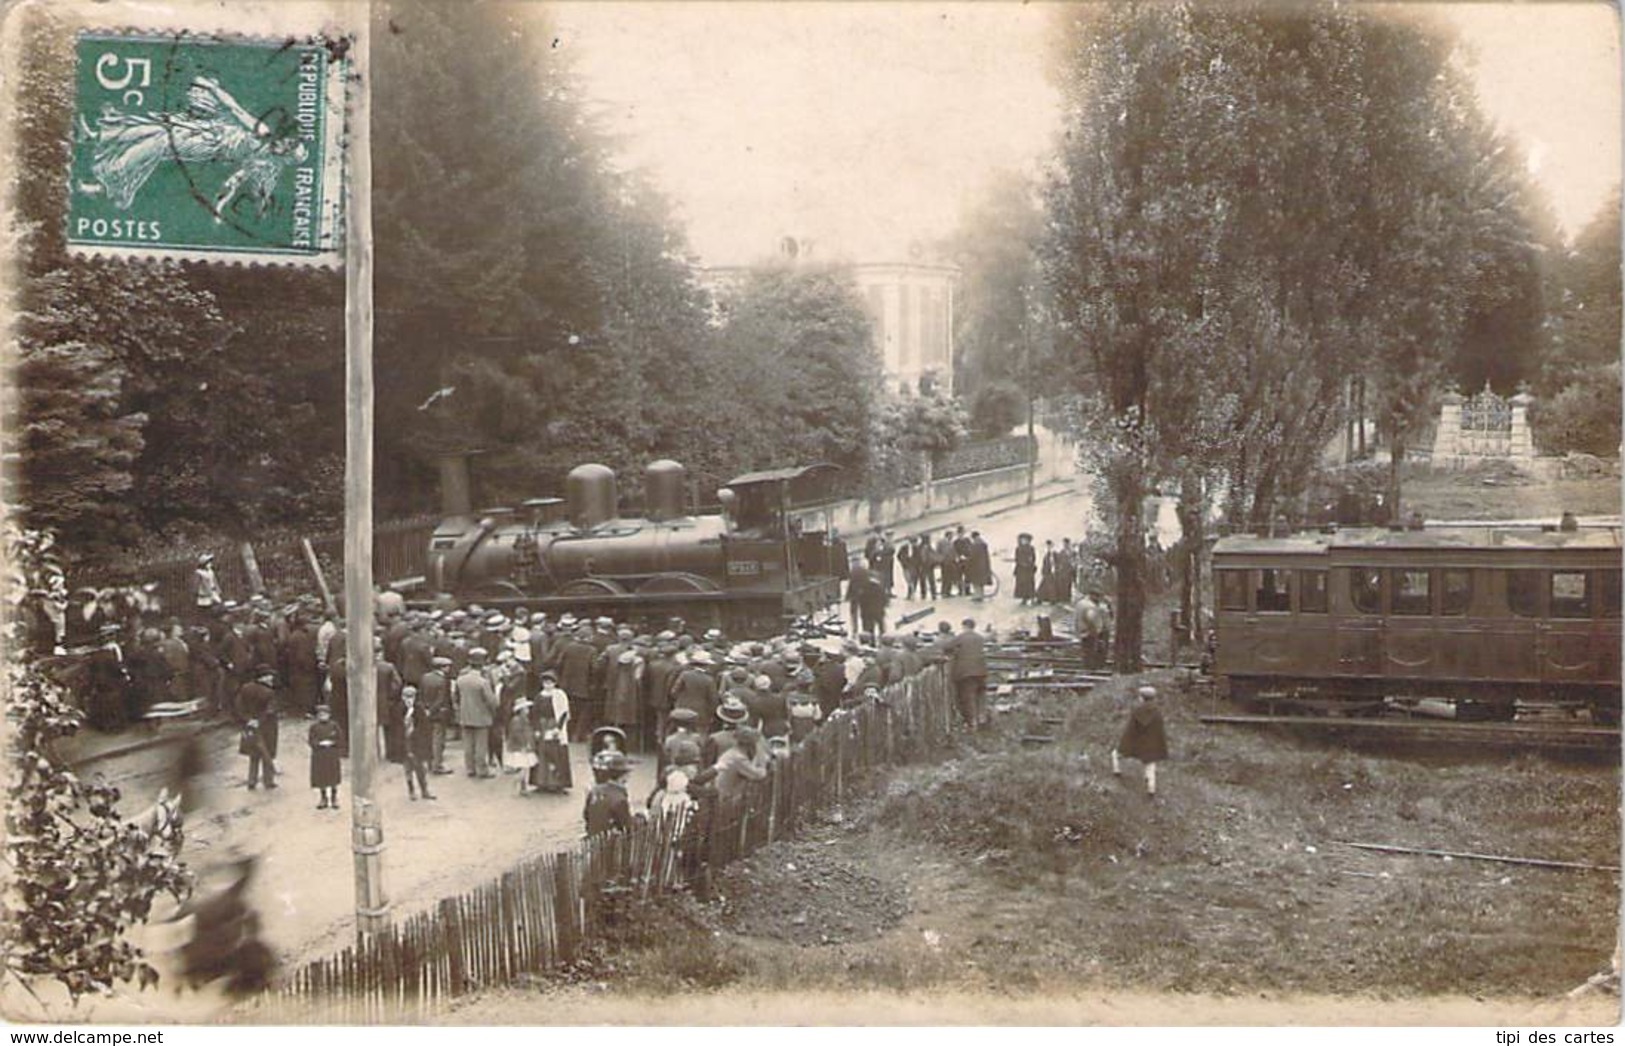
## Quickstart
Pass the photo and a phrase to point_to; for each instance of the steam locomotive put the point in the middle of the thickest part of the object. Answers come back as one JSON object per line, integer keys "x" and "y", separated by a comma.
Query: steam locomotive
{"x": 749, "y": 570}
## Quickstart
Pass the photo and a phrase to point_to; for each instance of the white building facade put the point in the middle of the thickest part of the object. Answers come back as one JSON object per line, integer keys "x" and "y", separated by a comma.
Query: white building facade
{"x": 911, "y": 305}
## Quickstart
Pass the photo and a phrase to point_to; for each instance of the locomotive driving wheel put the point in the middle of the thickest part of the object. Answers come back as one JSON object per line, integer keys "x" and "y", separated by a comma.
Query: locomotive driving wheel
{"x": 497, "y": 590}
{"x": 591, "y": 586}
{"x": 677, "y": 583}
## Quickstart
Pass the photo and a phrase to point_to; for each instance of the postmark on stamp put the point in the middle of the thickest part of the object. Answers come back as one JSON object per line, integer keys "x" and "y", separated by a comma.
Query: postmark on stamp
{"x": 207, "y": 148}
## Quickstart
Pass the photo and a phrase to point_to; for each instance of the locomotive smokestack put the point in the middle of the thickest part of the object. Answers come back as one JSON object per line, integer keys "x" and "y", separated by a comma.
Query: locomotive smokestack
{"x": 456, "y": 485}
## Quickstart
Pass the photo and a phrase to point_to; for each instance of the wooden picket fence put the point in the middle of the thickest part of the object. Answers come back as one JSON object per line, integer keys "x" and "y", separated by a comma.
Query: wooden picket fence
{"x": 536, "y": 917}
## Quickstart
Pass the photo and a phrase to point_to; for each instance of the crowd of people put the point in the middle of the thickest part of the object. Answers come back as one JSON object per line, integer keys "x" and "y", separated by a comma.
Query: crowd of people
{"x": 511, "y": 689}
{"x": 956, "y": 563}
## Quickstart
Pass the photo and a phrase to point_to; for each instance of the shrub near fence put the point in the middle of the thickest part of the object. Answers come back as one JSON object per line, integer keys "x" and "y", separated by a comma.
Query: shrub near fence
{"x": 536, "y": 917}
{"x": 983, "y": 456}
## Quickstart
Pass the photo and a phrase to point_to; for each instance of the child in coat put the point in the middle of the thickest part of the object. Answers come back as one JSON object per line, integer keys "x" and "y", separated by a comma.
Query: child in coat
{"x": 324, "y": 738}
{"x": 1144, "y": 738}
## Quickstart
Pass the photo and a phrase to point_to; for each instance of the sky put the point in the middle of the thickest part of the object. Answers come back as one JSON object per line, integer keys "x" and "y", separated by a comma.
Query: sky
{"x": 866, "y": 127}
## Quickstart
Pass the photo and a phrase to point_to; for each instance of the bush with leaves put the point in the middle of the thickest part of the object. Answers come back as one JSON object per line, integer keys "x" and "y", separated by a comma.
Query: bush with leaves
{"x": 997, "y": 408}
{"x": 1583, "y": 418}
{"x": 79, "y": 874}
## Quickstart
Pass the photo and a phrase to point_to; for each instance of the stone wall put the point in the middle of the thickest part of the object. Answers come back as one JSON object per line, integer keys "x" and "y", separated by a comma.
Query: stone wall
{"x": 1481, "y": 428}
{"x": 1056, "y": 461}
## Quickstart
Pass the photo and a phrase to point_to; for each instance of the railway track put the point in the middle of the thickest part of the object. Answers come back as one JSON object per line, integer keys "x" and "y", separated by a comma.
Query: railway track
{"x": 1515, "y": 735}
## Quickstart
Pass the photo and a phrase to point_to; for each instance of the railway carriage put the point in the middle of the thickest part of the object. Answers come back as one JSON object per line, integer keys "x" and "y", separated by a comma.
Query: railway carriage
{"x": 1480, "y": 617}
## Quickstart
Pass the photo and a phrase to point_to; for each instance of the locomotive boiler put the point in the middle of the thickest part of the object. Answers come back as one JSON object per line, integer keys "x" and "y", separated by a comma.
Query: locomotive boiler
{"x": 749, "y": 569}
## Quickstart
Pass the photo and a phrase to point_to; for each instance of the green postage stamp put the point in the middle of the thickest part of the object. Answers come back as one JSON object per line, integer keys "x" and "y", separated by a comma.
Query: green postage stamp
{"x": 208, "y": 148}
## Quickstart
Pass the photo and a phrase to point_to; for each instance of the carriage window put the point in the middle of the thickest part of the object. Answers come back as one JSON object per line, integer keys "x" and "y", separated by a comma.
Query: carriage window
{"x": 1312, "y": 591}
{"x": 1608, "y": 594}
{"x": 1365, "y": 588}
{"x": 1232, "y": 589}
{"x": 1456, "y": 591}
{"x": 1571, "y": 595}
{"x": 1274, "y": 593}
{"x": 1412, "y": 592}
{"x": 1523, "y": 592}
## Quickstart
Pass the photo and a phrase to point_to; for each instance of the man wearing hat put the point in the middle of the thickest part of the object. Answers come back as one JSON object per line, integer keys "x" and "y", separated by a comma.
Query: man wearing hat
{"x": 257, "y": 703}
{"x": 624, "y": 702}
{"x": 476, "y": 710}
{"x": 434, "y": 695}
{"x": 967, "y": 670}
{"x": 304, "y": 674}
{"x": 979, "y": 567}
{"x": 604, "y": 667}
{"x": 829, "y": 678}
{"x": 106, "y": 681}
{"x": 696, "y": 689}
{"x": 745, "y": 760}
{"x": 909, "y": 661}
{"x": 257, "y": 630}
{"x": 1090, "y": 626}
{"x": 682, "y": 746}
{"x": 416, "y": 653}
{"x": 237, "y": 661}
{"x": 659, "y": 673}
{"x": 574, "y": 658}
{"x": 419, "y": 743}
{"x": 768, "y": 707}
{"x": 949, "y": 562}
{"x": 732, "y": 714}
{"x": 1144, "y": 738}
{"x": 542, "y": 632}
{"x": 391, "y": 711}
{"x": 925, "y": 562}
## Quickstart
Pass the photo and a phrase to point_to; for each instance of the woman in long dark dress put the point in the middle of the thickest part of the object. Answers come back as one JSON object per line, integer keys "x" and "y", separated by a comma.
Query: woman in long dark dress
{"x": 325, "y": 742}
{"x": 551, "y": 728}
{"x": 1026, "y": 568}
{"x": 1046, "y": 581}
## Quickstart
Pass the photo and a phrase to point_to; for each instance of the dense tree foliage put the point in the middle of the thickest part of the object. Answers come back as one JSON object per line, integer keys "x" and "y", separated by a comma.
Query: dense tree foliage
{"x": 78, "y": 875}
{"x": 800, "y": 372}
{"x": 156, "y": 400}
{"x": 1253, "y": 205}
{"x": 908, "y": 432}
{"x": 998, "y": 306}
{"x": 1578, "y": 388}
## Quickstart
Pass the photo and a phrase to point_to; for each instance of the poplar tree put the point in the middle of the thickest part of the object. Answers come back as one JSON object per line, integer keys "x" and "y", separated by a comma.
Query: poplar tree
{"x": 1253, "y": 204}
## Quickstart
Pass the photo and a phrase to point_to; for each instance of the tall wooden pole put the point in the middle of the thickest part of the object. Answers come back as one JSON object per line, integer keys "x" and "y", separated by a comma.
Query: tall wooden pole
{"x": 366, "y": 820}
{"x": 1027, "y": 379}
